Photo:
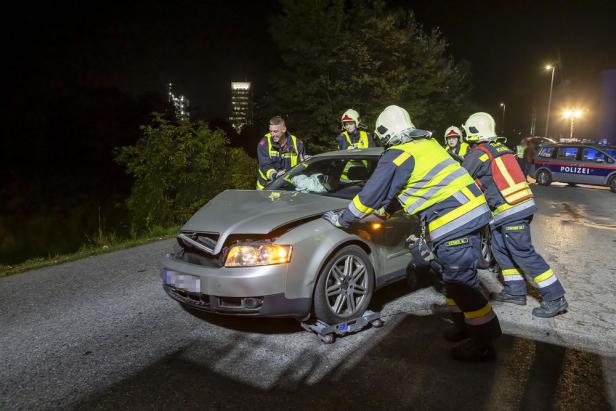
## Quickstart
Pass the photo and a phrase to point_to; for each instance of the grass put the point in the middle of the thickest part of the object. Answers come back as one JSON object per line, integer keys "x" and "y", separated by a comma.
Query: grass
{"x": 100, "y": 245}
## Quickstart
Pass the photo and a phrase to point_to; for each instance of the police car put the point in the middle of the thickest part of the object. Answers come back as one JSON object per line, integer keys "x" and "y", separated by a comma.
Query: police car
{"x": 575, "y": 163}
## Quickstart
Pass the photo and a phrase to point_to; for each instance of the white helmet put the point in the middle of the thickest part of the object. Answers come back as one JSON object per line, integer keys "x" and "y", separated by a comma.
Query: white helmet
{"x": 394, "y": 126}
{"x": 350, "y": 115}
{"x": 480, "y": 127}
{"x": 452, "y": 132}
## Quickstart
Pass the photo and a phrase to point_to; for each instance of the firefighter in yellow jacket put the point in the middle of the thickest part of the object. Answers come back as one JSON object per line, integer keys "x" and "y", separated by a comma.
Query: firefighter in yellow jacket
{"x": 416, "y": 171}
{"x": 498, "y": 173}
{"x": 454, "y": 143}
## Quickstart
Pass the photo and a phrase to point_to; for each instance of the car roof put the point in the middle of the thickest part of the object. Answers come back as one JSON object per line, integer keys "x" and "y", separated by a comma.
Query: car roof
{"x": 368, "y": 152}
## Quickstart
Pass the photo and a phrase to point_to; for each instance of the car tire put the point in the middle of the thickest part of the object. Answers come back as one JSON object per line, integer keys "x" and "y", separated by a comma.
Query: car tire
{"x": 487, "y": 258}
{"x": 613, "y": 184}
{"x": 544, "y": 177}
{"x": 345, "y": 286}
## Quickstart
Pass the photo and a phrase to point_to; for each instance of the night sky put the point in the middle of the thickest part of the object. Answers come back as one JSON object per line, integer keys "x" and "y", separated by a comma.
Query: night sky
{"x": 201, "y": 46}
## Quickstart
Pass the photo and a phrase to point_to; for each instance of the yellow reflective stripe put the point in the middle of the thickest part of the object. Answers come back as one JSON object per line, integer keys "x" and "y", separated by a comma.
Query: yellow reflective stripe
{"x": 544, "y": 276}
{"x": 501, "y": 208}
{"x": 456, "y": 213}
{"x": 463, "y": 149}
{"x": 482, "y": 312}
{"x": 511, "y": 271}
{"x": 259, "y": 186}
{"x": 514, "y": 188}
{"x": 401, "y": 158}
{"x": 450, "y": 301}
{"x": 484, "y": 157}
{"x": 294, "y": 156}
{"x": 419, "y": 195}
{"x": 504, "y": 171}
{"x": 360, "y": 207}
{"x": 513, "y": 197}
{"x": 348, "y": 138}
{"x": 467, "y": 193}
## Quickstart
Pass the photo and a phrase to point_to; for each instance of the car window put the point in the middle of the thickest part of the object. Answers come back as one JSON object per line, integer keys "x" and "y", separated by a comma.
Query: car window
{"x": 591, "y": 154}
{"x": 337, "y": 177}
{"x": 546, "y": 152}
{"x": 611, "y": 151}
{"x": 567, "y": 153}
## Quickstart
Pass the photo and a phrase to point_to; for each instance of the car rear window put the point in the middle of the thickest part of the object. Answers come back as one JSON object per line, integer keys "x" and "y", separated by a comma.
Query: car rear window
{"x": 591, "y": 154}
{"x": 546, "y": 152}
{"x": 567, "y": 153}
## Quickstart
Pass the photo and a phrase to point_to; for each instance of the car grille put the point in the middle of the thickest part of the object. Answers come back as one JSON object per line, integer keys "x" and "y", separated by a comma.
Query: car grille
{"x": 201, "y": 241}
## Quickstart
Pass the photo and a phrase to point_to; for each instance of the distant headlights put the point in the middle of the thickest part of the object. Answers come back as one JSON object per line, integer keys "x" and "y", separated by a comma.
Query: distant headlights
{"x": 253, "y": 255}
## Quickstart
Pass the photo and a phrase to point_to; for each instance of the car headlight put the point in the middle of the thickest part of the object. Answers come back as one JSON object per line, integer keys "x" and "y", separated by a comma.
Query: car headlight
{"x": 258, "y": 254}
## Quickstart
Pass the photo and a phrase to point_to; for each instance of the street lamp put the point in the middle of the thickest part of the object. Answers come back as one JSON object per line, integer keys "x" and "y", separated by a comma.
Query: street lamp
{"x": 572, "y": 115}
{"x": 547, "y": 120}
{"x": 504, "y": 107}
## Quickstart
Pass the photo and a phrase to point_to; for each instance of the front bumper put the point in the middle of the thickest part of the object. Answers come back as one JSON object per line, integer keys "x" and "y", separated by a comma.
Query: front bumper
{"x": 253, "y": 291}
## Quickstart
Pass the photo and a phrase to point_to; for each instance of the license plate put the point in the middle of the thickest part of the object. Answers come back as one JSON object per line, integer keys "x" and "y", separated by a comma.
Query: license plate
{"x": 190, "y": 283}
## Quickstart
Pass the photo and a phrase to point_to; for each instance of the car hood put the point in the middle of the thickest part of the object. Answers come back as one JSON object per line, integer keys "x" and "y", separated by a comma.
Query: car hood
{"x": 257, "y": 212}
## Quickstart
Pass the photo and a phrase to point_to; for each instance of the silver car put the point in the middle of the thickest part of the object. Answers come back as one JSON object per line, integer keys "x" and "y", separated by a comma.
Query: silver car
{"x": 269, "y": 253}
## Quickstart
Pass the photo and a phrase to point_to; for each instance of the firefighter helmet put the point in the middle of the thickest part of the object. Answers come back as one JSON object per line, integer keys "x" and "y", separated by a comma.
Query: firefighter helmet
{"x": 350, "y": 115}
{"x": 453, "y": 132}
{"x": 394, "y": 126}
{"x": 480, "y": 127}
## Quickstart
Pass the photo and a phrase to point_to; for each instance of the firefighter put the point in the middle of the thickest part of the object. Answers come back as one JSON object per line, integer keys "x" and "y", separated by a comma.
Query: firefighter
{"x": 455, "y": 144}
{"x": 278, "y": 151}
{"x": 352, "y": 137}
{"x": 497, "y": 172}
{"x": 416, "y": 171}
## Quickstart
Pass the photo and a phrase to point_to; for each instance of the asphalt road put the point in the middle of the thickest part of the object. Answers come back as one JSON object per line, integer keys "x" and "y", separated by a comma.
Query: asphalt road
{"x": 100, "y": 333}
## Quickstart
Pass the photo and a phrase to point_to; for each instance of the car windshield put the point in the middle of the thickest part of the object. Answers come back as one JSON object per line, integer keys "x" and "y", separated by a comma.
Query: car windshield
{"x": 341, "y": 177}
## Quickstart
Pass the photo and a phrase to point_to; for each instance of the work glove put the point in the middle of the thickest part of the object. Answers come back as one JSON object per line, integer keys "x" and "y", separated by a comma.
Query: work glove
{"x": 382, "y": 213}
{"x": 333, "y": 217}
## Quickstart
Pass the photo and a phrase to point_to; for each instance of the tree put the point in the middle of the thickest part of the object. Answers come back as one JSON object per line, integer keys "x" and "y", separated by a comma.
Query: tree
{"x": 177, "y": 168}
{"x": 338, "y": 54}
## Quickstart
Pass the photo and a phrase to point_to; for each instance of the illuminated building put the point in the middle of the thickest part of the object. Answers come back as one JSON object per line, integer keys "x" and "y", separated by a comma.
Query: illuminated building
{"x": 241, "y": 104}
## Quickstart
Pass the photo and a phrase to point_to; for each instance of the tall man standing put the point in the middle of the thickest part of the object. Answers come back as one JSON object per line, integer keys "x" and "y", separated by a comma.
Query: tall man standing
{"x": 498, "y": 173}
{"x": 416, "y": 170}
{"x": 277, "y": 152}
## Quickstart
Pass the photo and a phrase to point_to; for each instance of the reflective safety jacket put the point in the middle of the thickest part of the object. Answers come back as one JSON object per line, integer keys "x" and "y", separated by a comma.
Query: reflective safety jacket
{"x": 358, "y": 139}
{"x": 346, "y": 141}
{"x": 460, "y": 150}
{"x": 499, "y": 175}
{"x": 274, "y": 157}
{"x": 428, "y": 182}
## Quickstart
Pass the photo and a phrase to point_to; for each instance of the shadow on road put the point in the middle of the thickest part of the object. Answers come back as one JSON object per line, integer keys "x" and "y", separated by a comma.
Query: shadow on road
{"x": 407, "y": 368}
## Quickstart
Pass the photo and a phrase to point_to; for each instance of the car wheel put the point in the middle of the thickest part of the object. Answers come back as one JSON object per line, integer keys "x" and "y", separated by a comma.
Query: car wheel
{"x": 544, "y": 177}
{"x": 344, "y": 287}
{"x": 613, "y": 184}
{"x": 487, "y": 258}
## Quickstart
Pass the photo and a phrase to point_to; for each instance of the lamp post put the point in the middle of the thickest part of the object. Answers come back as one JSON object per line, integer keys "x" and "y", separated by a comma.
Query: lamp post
{"x": 504, "y": 107}
{"x": 572, "y": 115}
{"x": 547, "y": 120}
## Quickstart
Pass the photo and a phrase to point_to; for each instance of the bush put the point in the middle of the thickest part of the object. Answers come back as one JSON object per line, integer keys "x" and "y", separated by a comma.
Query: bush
{"x": 179, "y": 167}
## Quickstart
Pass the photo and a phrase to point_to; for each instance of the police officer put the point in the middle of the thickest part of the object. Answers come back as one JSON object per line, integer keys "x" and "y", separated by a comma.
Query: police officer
{"x": 454, "y": 143}
{"x": 498, "y": 173}
{"x": 352, "y": 136}
{"x": 418, "y": 172}
{"x": 278, "y": 151}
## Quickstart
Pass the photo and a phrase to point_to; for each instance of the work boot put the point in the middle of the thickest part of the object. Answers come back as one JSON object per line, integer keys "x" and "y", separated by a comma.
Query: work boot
{"x": 474, "y": 351}
{"x": 455, "y": 334}
{"x": 504, "y": 297}
{"x": 457, "y": 330}
{"x": 552, "y": 308}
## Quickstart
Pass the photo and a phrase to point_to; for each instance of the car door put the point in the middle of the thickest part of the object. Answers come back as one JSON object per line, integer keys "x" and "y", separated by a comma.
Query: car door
{"x": 594, "y": 165}
{"x": 567, "y": 164}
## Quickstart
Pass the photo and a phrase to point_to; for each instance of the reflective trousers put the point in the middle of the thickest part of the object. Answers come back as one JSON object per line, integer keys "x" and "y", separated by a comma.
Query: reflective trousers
{"x": 459, "y": 258}
{"x": 514, "y": 252}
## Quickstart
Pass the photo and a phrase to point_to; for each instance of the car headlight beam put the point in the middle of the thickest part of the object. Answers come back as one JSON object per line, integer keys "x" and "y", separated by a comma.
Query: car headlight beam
{"x": 250, "y": 255}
